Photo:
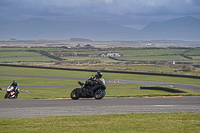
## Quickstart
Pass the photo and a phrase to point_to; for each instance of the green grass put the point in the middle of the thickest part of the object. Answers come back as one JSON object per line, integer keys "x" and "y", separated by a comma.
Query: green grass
{"x": 134, "y": 68}
{"x": 106, "y": 75}
{"x": 132, "y": 51}
{"x": 115, "y": 123}
{"x": 128, "y": 123}
{"x": 64, "y": 92}
{"x": 194, "y": 52}
{"x": 23, "y": 56}
{"x": 196, "y": 57}
{"x": 28, "y": 59}
{"x": 44, "y": 92}
{"x": 39, "y": 92}
{"x": 19, "y": 53}
{"x": 21, "y": 49}
{"x": 146, "y": 52}
{"x": 130, "y": 54}
{"x": 148, "y": 68}
{"x": 36, "y": 81}
{"x": 104, "y": 59}
{"x": 113, "y": 90}
{"x": 132, "y": 90}
{"x": 154, "y": 58}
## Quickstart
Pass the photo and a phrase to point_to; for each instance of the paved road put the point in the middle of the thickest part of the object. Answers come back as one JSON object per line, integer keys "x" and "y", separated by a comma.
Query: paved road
{"x": 16, "y": 108}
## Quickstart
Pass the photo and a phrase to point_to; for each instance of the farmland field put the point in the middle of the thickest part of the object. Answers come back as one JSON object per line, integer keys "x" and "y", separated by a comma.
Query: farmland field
{"x": 23, "y": 56}
{"x": 90, "y": 58}
{"x": 151, "y": 52}
{"x": 194, "y": 52}
{"x": 154, "y": 58}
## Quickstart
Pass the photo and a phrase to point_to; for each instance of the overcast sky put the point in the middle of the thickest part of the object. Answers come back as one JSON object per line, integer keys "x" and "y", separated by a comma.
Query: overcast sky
{"x": 134, "y": 13}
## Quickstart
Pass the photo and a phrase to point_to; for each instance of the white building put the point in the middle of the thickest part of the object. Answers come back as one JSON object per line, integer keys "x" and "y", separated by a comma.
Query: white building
{"x": 110, "y": 54}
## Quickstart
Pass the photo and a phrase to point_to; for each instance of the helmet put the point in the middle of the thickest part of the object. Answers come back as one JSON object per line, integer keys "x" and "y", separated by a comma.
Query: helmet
{"x": 14, "y": 81}
{"x": 99, "y": 74}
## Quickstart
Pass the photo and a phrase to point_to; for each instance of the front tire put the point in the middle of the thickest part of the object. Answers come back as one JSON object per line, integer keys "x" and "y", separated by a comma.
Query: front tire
{"x": 7, "y": 95}
{"x": 99, "y": 94}
{"x": 75, "y": 94}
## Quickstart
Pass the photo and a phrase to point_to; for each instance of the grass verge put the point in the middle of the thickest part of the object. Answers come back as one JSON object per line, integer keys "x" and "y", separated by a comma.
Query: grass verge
{"x": 106, "y": 75}
{"x": 113, "y": 90}
{"x": 124, "y": 123}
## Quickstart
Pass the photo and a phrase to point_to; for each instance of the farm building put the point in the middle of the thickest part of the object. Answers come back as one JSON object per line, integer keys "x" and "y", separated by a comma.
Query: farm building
{"x": 84, "y": 47}
{"x": 110, "y": 54}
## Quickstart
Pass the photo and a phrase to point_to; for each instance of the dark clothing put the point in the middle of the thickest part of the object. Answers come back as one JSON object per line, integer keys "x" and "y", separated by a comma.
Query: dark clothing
{"x": 15, "y": 85}
{"x": 90, "y": 82}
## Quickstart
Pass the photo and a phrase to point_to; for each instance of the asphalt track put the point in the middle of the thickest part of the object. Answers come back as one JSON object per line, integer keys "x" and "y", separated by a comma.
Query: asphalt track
{"x": 17, "y": 108}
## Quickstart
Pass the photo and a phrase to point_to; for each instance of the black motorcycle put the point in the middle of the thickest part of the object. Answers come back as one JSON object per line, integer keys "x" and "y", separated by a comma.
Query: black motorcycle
{"x": 97, "y": 90}
{"x": 11, "y": 93}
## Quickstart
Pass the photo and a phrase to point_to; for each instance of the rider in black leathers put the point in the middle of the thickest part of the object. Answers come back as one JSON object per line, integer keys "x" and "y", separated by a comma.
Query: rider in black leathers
{"x": 90, "y": 82}
{"x": 15, "y": 85}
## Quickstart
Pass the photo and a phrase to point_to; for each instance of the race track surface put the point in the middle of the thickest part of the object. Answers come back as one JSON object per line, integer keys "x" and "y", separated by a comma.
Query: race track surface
{"x": 17, "y": 108}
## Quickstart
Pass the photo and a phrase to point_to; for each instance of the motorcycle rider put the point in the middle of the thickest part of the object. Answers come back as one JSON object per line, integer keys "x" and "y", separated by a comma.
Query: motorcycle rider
{"x": 90, "y": 82}
{"x": 15, "y": 85}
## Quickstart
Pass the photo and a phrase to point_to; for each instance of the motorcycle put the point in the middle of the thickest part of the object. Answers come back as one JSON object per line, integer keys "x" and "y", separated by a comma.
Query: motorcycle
{"x": 97, "y": 90}
{"x": 11, "y": 93}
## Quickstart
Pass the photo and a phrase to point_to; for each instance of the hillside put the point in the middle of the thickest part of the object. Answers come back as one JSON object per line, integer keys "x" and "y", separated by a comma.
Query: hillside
{"x": 185, "y": 28}
{"x": 37, "y": 28}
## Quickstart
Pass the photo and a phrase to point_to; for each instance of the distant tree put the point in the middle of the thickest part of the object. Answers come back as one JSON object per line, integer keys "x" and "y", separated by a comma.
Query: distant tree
{"x": 80, "y": 39}
{"x": 13, "y": 39}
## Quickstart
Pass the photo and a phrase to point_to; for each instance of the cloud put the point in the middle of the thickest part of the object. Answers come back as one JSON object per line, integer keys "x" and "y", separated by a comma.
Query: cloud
{"x": 98, "y": 8}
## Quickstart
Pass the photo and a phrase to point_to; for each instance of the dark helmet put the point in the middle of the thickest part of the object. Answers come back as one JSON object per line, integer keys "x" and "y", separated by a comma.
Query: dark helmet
{"x": 99, "y": 74}
{"x": 14, "y": 81}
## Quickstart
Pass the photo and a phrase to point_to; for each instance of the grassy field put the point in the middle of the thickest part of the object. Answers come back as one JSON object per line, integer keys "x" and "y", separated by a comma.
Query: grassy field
{"x": 133, "y": 68}
{"x": 146, "y": 52}
{"x": 114, "y": 90}
{"x": 131, "y": 55}
{"x": 116, "y": 123}
{"x": 154, "y": 58}
{"x": 23, "y": 56}
{"x": 72, "y": 58}
{"x": 194, "y": 52}
{"x": 106, "y": 75}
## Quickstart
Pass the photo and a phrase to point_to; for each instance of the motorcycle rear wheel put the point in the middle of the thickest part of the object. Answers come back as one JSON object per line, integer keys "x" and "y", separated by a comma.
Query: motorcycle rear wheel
{"x": 75, "y": 95}
{"x": 99, "y": 94}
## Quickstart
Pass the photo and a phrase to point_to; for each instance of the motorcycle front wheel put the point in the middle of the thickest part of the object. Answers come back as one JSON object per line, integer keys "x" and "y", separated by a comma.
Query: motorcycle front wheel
{"x": 7, "y": 95}
{"x": 75, "y": 94}
{"x": 99, "y": 94}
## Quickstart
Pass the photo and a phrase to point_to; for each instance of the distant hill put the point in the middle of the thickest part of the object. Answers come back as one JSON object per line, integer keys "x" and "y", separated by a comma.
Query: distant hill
{"x": 37, "y": 28}
{"x": 185, "y": 28}
{"x": 80, "y": 40}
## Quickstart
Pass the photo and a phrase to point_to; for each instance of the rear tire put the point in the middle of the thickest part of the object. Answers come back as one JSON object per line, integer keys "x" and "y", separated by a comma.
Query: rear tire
{"x": 75, "y": 94}
{"x": 99, "y": 94}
